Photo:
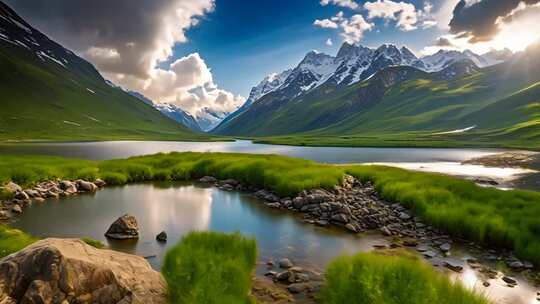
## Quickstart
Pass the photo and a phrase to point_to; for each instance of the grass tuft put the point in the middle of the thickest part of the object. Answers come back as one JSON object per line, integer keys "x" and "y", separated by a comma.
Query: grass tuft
{"x": 370, "y": 278}
{"x": 13, "y": 240}
{"x": 210, "y": 267}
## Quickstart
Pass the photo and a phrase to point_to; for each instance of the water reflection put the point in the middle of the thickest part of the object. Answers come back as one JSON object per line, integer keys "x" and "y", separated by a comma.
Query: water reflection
{"x": 179, "y": 208}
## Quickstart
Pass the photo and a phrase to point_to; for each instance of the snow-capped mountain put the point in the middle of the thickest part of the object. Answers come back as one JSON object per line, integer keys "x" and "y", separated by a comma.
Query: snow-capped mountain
{"x": 354, "y": 63}
{"x": 444, "y": 58}
{"x": 177, "y": 114}
{"x": 16, "y": 32}
{"x": 172, "y": 111}
{"x": 208, "y": 119}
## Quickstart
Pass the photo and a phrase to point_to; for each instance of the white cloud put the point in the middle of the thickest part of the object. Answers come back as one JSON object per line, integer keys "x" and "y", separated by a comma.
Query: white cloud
{"x": 188, "y": 83}
{"x": 342, "y": 3}
{"x": 329, "y": 42}
{"x": 352, "y": 29}
{"x": 325, "y": 23}
{"x": 129, "y": 44}
{"x": 406, "y": 15}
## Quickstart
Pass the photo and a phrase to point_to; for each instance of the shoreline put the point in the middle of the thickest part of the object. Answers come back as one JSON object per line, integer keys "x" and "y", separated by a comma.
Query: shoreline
{"x": 354, "y": 207}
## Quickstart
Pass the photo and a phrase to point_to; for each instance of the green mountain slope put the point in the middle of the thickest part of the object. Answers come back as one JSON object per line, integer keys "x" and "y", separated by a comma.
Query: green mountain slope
{"x": 460, "y": 105}
{"x": 48, "y": 93}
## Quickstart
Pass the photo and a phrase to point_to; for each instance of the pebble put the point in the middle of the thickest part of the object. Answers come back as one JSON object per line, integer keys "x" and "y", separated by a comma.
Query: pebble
{"x": 285, "y": 263}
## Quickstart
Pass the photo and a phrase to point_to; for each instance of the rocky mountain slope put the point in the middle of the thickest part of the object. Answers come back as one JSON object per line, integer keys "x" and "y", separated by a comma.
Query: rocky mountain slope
{"x": 318, "y": 73}
{"x": 48, "y": 92}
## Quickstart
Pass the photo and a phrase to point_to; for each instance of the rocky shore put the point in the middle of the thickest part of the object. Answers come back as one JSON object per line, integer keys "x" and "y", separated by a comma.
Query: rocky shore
{"x": 356, "y": 207}
{"x": 20, "y": 198}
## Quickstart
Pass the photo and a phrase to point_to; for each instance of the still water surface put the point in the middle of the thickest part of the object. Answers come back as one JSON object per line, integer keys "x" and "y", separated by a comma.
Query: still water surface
{"x": 179, "y": 208}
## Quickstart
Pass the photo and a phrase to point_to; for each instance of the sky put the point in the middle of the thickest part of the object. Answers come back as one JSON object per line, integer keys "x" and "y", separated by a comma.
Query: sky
{"x": 207, "y": 54}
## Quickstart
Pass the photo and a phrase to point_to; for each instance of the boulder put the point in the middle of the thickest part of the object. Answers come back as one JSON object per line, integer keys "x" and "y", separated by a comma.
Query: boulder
{"x": 70, "y": 271}
{"x": 162, "y": 237}
{"x": 32, "y": 193}
{"x": 125, "y": 227}
{"x": 12, "y": 187}
{"x": 85, "y": 186}
{"x": 231, "y": 182}
{"x": 69, "y": 187}
{"x": 4, "y": 215}
{"x": 21, "y": 195}
{"x": 445, "y": 247}
{"x": 100, "y": 183}
{"x": 208, "y": 179}
{"x": 285, "y": 263}
{"x": 16, "y": 209}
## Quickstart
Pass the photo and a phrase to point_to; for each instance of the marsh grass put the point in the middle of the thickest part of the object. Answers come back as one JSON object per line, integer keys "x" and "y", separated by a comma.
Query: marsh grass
{"x": 394, "y": 278}
{"x": 509, "y": 219}
{"x": 210, "y": 267}
{"x": 13, "y": 240}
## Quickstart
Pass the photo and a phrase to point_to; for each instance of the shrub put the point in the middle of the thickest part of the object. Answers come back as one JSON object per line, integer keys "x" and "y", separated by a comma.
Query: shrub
{"x": 210, "y": 267}
{"x": 396, "y": 278}
{"x": 114, "y": 178}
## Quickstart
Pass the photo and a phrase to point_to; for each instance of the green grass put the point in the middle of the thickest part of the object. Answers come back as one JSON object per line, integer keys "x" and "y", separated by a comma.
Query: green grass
{"x": 210, "y": 267}
{"x": 45, "y": 101}
{"x": 509, "y": 219}
{"x": 370, "y": 278}
{"x": 94, "y": 243}
{"x": 13, "y": 240}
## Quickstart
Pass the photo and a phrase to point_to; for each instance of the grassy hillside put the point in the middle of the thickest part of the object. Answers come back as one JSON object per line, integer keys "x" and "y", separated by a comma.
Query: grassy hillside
{"x": 44, "y": 101}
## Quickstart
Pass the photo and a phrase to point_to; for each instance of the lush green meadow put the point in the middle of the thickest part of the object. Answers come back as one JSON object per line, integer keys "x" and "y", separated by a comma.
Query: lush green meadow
{"x": 509, "y": 219}
{"x": 210, "y": 267}
{"x": 371, "y": 278}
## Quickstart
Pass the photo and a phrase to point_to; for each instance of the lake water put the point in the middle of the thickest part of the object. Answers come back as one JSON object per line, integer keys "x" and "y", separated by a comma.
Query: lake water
{"x": 446, "y": 160}
{"x": 179, "y": 208}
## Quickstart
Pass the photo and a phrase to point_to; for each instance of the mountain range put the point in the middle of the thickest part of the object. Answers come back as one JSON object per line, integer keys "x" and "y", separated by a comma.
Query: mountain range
{"x": 48, "y": 92}
{"x": 387, "y": 91}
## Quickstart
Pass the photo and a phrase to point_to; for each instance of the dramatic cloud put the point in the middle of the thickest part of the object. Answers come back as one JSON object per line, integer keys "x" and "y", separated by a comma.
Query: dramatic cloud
{"x": 406, "y": 15}
{"x": 130, "y": 43}
{"x": 343, "y": 3}
{"x": 514, "y": 29}
{"x": 352, "y": 29}
{"x": 480, "y": 19}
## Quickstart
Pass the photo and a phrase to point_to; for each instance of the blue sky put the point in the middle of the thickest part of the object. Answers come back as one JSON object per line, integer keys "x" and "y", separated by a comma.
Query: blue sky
{"x": 243, "y": 41}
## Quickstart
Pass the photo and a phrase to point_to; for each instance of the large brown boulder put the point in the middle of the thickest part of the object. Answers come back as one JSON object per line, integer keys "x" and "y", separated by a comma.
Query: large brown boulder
{"x": 70, "y": 271}
{"x": 125, "y": 227}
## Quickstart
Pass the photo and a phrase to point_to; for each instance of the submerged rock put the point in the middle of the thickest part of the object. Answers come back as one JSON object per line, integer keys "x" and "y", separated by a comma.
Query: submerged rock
{"x": 70, "y": 271}
{"x": 125, "y": 227}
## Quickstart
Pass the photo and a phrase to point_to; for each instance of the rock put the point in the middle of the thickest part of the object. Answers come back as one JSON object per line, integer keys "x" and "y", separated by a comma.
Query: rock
{"x": 100, "y": 183}
{"x": 12, "y": 187}
{"x": 429, "y": 254}
{"x": 515, "y": 265}
{"x": 322, "y": 223}
{"x": 39, "y": 199}
{"x": 351, "y": 228}
{"x": 285, "y": 263}
{"x": 486, "y": 284}
{"x": 21, "y": 195}
{"x": 208, "y": 179}
{"x": 32, "y": 193}
{"x": 270, "y": 273}
{"x": 125, "y": 227}
{"x": 445, "y": 247}
{"x": 404, "y": 216}
{"x": 298, "y": 202}
{"x": 4, "y": 215}
{"x": 271, "y": 197}
{"x": 231, "y": 182}
{"x": 509, "y": 280}
{"x": 68, "y": 187}
{"x": 340, "y": 218}
{"x": 85, "y": 186}
{"x": 297, "y": 287}
{"x": 283, "y": 276}
{"x": 454, "y": 266}
{"x": 162, "y": 237}
{"x": 70, "y": 271}
{"x": 16, "y": 209}
{"x": 385, "y": 231}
